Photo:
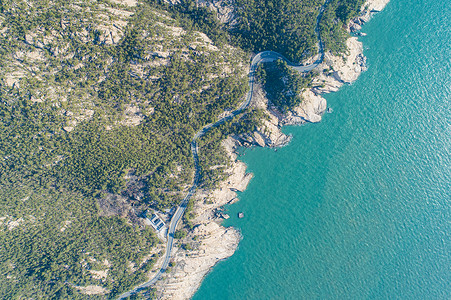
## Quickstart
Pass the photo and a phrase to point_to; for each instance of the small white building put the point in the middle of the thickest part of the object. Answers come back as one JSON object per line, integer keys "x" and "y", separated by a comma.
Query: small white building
{"x": 155, "y": 221}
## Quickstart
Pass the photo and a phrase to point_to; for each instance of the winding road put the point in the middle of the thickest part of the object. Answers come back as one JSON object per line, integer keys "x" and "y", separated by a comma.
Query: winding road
{"x": 264, "y": 56}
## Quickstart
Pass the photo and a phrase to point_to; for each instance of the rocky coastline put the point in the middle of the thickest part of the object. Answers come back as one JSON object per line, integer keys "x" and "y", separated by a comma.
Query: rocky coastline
{"x": 209, "y": 242}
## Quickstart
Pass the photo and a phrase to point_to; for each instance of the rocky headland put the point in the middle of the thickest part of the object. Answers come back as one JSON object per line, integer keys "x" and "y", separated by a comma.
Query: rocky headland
{"x": 209, "y": 242}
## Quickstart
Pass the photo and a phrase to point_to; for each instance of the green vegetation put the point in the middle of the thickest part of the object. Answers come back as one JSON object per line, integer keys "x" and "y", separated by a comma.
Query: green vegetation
{"x": 98, "y": 105}
{"x": 288, "y": 26}
{"x": 285, "y": 26}
{"x": 174, "y": 98}
{"x": 189, "y": 215}
{"x": 213, "y": 160}
{"x": 337, "y": 14}
{"x": 59, "y": 240}
{"x": 180, "y": 234}
{"x": 187, "y": 247}
{"x": 67, "y": 73}
{"x": 191, "y": 16}
{"x": 283, "y": 85}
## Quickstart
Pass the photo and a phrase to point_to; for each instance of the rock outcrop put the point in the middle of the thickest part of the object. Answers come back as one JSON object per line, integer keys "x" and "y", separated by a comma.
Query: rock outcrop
{"x": 211, "y": 242}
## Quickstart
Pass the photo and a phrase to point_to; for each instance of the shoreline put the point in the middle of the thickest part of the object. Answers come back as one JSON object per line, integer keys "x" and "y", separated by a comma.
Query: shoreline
{"x": 209, "y": 241}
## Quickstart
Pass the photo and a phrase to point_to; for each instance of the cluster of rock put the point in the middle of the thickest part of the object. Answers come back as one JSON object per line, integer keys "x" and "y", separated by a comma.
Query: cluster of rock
{"x": 209, "y": 241}
{"x": 223, "y": 9}
{"x": 369, "y": 8}
{"x": 331, "y": 75}
{"x": 214, "y": 242}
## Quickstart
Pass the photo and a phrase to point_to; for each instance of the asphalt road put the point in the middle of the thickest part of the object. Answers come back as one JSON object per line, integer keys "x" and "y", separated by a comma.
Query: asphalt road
{"x": 264, "y": 56}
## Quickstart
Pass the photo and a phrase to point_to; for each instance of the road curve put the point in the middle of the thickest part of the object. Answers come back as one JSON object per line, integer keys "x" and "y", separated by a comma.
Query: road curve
{"x": 264, "y": 56}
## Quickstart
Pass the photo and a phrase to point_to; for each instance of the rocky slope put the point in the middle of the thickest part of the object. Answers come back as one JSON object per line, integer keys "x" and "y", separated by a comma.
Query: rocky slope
{"x": 210, "y": 242}
{"x": 331, "y": 75}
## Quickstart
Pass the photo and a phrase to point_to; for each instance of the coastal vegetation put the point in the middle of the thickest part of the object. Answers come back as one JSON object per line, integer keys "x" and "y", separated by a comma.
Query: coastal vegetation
{"x": 53, "y": 241}
{"x": 282, "y": 84}
{"x": 288, "y": 26}
{"x": 93, "y": 126}
{"x": 180, "y": 234}
{"x": 191, "y": 16}
{"x": 99, "y": 102}
{"x": 332, "y": 27}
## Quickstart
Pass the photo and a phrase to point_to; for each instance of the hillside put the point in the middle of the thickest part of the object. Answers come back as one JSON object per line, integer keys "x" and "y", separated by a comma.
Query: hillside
{"x": 99, "y": 101}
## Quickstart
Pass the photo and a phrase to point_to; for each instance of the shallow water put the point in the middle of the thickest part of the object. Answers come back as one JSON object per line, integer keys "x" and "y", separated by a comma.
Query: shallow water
{"x": 357, "y": 206}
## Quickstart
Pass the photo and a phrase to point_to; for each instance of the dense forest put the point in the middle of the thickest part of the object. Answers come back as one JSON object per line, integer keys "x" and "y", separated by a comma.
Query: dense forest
{"x": 288, "y": 26}
{"x": 99, "y": 102}
{"x": 282, "y": 84}
{"x": 335, "y": 17}
{"x": 84, "y": 118}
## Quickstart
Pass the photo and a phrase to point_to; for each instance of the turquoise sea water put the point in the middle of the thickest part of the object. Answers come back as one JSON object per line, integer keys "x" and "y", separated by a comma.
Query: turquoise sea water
{"x": 359, "y": 205}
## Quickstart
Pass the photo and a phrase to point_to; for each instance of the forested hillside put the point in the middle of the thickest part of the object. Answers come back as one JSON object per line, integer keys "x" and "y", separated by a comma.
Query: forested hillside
{"x": 288, "y": 26}
{"x": 282, "y": 84}
{"x": 99, "y": 101}
{"x": 336, "y": 16}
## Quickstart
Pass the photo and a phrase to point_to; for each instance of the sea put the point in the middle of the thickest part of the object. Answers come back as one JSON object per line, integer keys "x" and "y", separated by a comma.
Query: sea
{"x": 357, "y": 206}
